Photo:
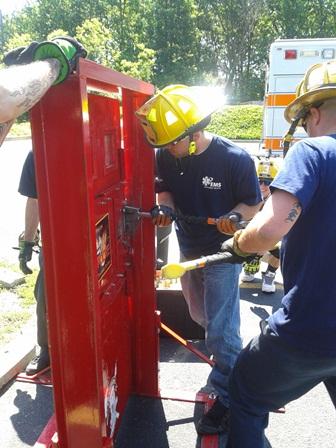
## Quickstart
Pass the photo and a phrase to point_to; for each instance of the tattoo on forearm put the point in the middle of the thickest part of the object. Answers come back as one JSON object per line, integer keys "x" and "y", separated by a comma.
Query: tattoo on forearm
{"x": 293, "y": 213}
{"x": 29, "y": 94}
{"x": 4, "y": 128}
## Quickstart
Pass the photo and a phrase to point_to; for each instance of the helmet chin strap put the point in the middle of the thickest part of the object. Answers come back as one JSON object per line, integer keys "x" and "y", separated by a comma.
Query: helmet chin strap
{"x": 290, "y": 133}
{"x": 192, "y": 146}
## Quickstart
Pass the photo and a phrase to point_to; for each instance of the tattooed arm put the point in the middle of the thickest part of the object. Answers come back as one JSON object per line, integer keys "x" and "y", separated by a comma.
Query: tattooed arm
{"x": 280, "y": 213}
{"x": 22, "y": 86}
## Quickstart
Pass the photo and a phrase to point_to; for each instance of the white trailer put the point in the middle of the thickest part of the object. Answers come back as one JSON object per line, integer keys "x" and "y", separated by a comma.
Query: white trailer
{"x": 288, "y": 62}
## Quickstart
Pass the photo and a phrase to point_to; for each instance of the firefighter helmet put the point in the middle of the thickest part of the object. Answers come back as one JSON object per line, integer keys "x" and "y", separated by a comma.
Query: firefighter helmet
{"x": 317, "y": 85}
{"x": 267, "y": 169}
{"x": 178, "y": 111}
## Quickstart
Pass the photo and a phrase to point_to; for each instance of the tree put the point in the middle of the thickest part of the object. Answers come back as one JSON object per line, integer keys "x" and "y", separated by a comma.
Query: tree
{"x": 175, "y": 38}
{"x": 228, "y": 41}
{"x": 17, "y": 40}
{"x": 303, "y": 18}
{"x": 97, "y": 40}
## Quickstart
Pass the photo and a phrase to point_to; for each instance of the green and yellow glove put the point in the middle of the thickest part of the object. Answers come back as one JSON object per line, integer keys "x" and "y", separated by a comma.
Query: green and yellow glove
{"x": 25, "y": 255}
{"x": 66, "y": 50}
{"x": 253, "y": 266}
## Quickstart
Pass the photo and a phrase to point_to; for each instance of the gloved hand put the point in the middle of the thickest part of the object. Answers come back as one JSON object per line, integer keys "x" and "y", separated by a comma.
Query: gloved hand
{"x": 228, "y": 223}
{"x": 25, "y": 255}
{"x": 253, "y": 266}
{"x": 21, "y": 55}
{"x": 237, "y": 255}
{"x": 65, "y": 49}
{"x": 162, "y": 215}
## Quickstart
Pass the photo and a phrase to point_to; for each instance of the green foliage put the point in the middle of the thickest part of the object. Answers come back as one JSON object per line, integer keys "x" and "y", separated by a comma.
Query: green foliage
{"x": 143, "y": 66}
{"x": 175, "y": 38}
{"x": 97, "y": 40}
{"x": 18, "y": 40}
{"x": 238, "y": 122}
{"x": 235, "y": 122}
{"x": 22, "y": 306}
{"x": 168, "y": 41}
{"x": 11, "y": 323}
{"x": 56, "y": 33}
{"x": 20, "y": 130}
{"x": 26, "y": 290}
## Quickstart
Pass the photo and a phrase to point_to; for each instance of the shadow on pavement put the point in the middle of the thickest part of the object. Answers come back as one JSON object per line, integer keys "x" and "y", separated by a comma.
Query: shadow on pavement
{"x": 33, "y": 413}
{"x": 143, "y": 425}
{"x": 259, "y": 300}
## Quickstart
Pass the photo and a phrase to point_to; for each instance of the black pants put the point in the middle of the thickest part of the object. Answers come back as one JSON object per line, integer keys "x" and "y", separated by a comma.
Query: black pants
{"x": 41, "y": 312}
{"x": 269, "y": 374}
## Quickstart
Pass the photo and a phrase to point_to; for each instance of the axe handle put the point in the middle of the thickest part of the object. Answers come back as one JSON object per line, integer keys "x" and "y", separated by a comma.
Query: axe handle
{"x": 204, "y": 261}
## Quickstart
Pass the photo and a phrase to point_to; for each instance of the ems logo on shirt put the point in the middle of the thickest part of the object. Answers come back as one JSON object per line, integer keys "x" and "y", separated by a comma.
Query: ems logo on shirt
{"x": 208, "y": 182}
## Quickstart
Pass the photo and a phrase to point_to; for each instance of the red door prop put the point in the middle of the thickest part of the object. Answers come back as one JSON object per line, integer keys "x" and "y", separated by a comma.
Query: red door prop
{"x": 92, "y": 160}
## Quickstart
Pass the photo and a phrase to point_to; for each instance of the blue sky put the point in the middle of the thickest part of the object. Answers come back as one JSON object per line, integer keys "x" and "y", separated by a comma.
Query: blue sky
{"x": 9, "y": 6}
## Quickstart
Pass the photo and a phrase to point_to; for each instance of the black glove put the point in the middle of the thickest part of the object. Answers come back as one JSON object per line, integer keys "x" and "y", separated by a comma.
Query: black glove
{"x": 237, "y": 255}
{"x": 20, "y": 55}
{"x": 162, "y": 215}
{"x": 65, "y": 49}
{"x": 25, "y": 255}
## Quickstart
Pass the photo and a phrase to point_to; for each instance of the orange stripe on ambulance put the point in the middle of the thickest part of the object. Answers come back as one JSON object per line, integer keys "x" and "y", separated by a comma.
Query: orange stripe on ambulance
{"x": 288, "y": 61}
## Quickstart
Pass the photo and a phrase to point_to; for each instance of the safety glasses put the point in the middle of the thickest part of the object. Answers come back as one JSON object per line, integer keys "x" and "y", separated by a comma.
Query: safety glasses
{"x": 267, "y": 182}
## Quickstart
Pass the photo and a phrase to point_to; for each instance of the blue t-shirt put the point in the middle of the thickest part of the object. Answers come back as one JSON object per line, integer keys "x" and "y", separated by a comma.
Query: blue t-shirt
{"x": 209, "y": 185}
{"x": 27, "y": 185}
{"x": 307, "y": 319}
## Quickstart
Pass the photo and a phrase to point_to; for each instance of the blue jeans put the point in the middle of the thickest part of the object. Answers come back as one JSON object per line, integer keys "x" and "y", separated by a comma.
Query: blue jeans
{"x": 212, "y": 295}
{"x": 269, "y": 374}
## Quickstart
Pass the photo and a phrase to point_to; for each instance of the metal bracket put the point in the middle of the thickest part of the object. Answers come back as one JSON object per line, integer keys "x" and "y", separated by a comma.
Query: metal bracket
{"x": 132, "y": 216}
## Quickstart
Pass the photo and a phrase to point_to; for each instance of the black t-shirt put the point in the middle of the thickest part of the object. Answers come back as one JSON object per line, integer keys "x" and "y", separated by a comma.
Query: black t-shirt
{"x": 209, "y": 185}
{"x": 27, "y": 185}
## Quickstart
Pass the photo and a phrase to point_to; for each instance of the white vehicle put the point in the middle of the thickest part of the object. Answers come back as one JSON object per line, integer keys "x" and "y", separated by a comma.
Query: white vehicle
{"x": 288, "y": 62}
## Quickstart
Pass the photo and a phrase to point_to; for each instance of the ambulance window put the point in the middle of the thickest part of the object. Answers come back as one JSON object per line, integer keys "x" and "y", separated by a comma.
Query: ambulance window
{"x": 328, "y": 53}
{"x": 309, "y": 53}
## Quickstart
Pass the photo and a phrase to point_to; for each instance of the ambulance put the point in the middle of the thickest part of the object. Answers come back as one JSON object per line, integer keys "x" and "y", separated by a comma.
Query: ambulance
{"x": 288, "y": 62}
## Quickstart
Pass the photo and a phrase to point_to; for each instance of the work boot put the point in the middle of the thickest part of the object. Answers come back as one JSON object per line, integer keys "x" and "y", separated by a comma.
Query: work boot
{"x": 268, "y": 283}
{"x": 38, "y": 363}
{"x": 215, "y": 421}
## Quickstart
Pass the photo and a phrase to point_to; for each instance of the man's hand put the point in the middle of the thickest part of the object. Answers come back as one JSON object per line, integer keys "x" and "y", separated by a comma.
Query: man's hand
{"x": 21, "y": 55}
{"x": 25, "y": 255}
{"x": 237, "y": 255}
{"x": 253, "y": 266}
{"x": 65, "y": 49}
{"x": 228, "y": 223}
{"x": 162, "y": 215}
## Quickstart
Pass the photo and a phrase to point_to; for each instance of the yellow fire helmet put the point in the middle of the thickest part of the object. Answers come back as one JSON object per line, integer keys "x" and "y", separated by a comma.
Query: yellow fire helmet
{"x": 267, "y": 168}
{"x": 178, "y": 111}
{"x": 317, "y": 85}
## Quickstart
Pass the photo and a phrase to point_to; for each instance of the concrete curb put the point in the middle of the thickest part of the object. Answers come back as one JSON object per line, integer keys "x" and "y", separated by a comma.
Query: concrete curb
{"x": 17, "y": 353}
{"x": 23, "y": 137}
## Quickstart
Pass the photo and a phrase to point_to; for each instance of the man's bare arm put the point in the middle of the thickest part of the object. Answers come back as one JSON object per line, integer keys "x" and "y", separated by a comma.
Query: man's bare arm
{"x": 165, "y": 198}
{"x": 280, "y": 213}
{"x": 32, "y": 219}
{"x": 247, "y": 211}
{"x": 21, "y": 87}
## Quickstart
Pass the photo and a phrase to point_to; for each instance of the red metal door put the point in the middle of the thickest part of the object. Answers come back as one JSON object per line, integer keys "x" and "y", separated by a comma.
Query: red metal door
{"x": 91, "y": 161}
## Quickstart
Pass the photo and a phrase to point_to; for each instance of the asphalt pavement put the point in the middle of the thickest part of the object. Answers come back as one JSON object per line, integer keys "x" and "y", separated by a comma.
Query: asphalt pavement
{"x": 25, "y": 408}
